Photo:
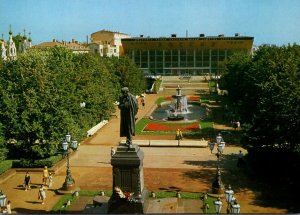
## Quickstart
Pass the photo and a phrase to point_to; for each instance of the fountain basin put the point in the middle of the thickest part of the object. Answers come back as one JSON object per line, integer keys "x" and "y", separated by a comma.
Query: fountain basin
{"x": 195, "y": 113}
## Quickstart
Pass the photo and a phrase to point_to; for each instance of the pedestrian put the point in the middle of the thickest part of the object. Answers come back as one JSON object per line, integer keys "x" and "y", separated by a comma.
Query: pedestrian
{"x": 241, "y": 161}
{"x": 112, "y": 151}
{"x": 238, "y": 124}
{"x": 45, "y": 175}
{"x": 27, "y": 181}
{"x": 178, "y": 134}
{"x": 50, "y": 180}
{"x": 8, "y": 207}
{"x": 143, "y": 102}
{"x": 42, "y": 194}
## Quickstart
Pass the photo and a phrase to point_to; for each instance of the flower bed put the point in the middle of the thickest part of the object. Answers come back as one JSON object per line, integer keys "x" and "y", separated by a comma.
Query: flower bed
{"x": 193, "y": 98}
{"x": 162, "y": 127}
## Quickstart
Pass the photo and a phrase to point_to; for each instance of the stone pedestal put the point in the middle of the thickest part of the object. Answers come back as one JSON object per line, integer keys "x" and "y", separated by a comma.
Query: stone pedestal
{"x": 128, "y": 175}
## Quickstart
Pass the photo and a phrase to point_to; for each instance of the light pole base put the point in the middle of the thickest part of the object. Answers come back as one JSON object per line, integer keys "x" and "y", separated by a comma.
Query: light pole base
{"x": 218, "y": 190}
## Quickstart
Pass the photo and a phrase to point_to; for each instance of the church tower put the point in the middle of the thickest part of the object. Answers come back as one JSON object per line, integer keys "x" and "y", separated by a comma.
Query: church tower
{"x": 12, "y": 51}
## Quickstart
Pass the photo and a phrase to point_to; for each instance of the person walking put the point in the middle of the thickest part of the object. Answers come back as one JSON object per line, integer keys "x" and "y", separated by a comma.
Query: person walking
{"x": 42, "y": 194}
{"x": 50, "y": 180}
{"x": 27, "y": 181}
{"x": 45, "y": 175}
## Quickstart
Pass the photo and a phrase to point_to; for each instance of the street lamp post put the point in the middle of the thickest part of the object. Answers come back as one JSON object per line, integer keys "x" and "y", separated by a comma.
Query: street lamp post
{"x": 218, "y": 205}
{"x": 67, "y": 144}
{"x": 219, "y": 142}
{"x": 235, "y": 207}
{"x": 211, "y": 146}
{"x": 229, "y": 196}
{"x": 217, "y": 185}
{"x": 2, "y": 199}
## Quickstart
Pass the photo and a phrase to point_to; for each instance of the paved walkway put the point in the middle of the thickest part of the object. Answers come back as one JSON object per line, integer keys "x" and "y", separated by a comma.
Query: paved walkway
{"x": 165, "y": 168}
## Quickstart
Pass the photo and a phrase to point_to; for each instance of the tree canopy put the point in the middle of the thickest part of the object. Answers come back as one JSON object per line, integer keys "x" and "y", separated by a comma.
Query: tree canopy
{"x": 266, "y": 91}
{"x": 41, "y": 93}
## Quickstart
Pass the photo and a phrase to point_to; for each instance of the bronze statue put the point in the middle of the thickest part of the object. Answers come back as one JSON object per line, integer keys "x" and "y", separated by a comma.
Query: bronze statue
{"x": 128, "y": 106}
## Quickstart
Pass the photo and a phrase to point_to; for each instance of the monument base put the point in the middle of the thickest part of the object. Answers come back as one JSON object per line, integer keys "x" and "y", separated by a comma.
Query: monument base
{"x": 123, "y": 206}
{"x": 63, "y": 190}
{"x": 218, "y": 190}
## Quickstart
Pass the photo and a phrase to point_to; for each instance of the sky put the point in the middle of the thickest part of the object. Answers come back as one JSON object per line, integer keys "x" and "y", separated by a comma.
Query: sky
{"x": 268, "y": 21}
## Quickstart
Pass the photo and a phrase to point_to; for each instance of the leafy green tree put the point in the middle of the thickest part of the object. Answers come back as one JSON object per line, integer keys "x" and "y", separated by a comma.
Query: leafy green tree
{"x": 129, "y": 74}
{"x": 266, "y": 88}
{"x": 3, "y": 148}
{"x": 277, "y": 116}
{"x": 42, "y": 91}
{"x": 17, "y": 40}
{"x": 238, "y": 82}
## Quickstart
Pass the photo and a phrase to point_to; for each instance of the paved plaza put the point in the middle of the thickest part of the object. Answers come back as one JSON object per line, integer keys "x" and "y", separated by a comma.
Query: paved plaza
{"x": 168, "y": 168}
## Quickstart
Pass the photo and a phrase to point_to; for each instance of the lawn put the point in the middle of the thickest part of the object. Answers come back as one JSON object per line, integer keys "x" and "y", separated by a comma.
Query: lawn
{"x": 61, "y": 205}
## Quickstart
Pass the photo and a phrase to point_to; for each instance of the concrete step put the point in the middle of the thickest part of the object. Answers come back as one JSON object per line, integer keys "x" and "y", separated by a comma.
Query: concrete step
{"x": 168, "y": 143}
{"x": 184, "y": 85}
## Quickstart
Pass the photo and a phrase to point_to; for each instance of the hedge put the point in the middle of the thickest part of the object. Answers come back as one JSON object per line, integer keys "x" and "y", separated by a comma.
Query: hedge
{"x": 49, "y": 162}
{"x": 5, "y": 165}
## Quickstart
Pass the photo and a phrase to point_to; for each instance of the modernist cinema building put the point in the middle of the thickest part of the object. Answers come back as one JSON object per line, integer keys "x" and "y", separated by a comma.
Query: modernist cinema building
{"x": 184, "y": 55}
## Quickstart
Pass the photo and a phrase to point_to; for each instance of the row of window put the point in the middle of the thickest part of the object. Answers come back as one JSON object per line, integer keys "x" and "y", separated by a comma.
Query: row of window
{"x": 172, "y": 61}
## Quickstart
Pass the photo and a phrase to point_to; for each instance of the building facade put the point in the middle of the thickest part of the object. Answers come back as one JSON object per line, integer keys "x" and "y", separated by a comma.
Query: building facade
{"x": 107, "y": 43}
{"x": 185, "y": 55}
{"x": 104, "y": 49}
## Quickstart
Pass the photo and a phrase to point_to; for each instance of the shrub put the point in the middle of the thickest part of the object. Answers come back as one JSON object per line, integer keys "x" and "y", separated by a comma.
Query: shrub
{"x": 5, "y": 165}
{"x": 25, "y": 163}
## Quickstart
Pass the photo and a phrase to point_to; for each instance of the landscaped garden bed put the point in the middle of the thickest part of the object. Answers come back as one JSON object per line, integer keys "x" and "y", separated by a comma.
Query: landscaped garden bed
{"x": 193, "y": 129}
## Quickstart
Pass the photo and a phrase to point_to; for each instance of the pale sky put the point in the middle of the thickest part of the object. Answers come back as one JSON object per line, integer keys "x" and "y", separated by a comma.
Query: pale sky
{"x": 268, "y": 21}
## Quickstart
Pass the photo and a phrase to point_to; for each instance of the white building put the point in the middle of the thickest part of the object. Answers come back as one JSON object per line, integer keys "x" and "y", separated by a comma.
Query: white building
{"x": 107, "y": 43}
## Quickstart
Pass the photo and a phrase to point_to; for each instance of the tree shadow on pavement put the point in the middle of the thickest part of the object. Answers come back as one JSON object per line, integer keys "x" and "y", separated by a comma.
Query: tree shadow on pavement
{"x": 28, "y": 211}
{"x": 33, "y": 202}
{"x": 266, "y": 194}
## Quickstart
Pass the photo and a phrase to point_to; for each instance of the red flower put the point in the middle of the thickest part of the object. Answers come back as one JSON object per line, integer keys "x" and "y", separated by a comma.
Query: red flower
{"x": 193, "y": 98}
{"x": 169, "y": 98}
{"x": 162, "y": 127}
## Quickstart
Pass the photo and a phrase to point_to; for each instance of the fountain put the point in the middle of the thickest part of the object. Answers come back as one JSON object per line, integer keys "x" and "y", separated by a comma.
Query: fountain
{"x": 179, "y": 107}
{"x": 179, "y": 110}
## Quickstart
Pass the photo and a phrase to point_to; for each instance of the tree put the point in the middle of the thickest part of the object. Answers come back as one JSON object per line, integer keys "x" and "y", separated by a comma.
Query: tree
{"x": 129, "y": 74}
{"x": 268, "y": 93}
{"x": 41, "y": 93}
{"x": 3, "y": 148}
